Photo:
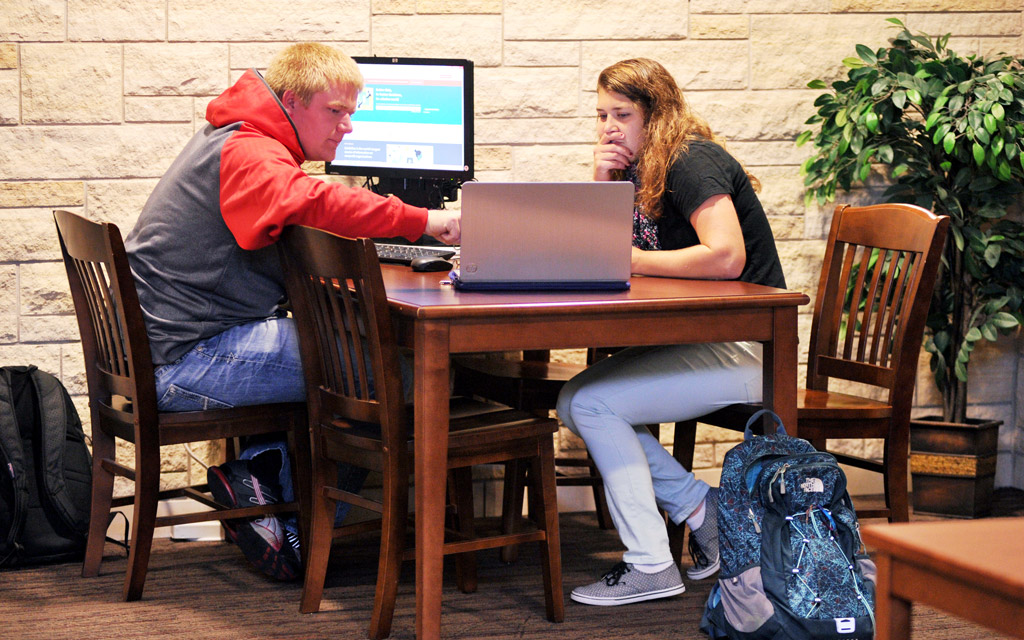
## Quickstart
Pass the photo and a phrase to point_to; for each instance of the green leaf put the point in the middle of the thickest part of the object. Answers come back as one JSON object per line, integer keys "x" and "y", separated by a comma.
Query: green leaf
{"x": 949, "y": 142}
{"x": 899, "y": 99}
{"x": 992, "y": 253}
{"x": 853, "y": 63}
{"x": 885, "y": 154}
{"x": 817, "y": 84}
{"x": 988, "y": 331}
{"x": 1003, "y": 171}
{"x": 990, "y": 123}
{"x": 973, "y": 334}
{"x": 914, "y": 96}
{"x": 998, "y": 112}
{"x": 866, "y": 54}
{"x": 841, "y": 118}
{"x": 871, "y": 121}
{"x": 982, "y": 136}
{"x": 979, "y": 153}
{"x": 930, "y": 122}
{"x": 803, "y": 138}
{"x": 1004, "y": 320}
{"x": 899, "y": 170}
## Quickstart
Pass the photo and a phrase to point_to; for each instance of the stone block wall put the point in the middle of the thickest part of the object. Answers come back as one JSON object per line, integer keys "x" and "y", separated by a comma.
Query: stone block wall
{"x": 98, "y": 96}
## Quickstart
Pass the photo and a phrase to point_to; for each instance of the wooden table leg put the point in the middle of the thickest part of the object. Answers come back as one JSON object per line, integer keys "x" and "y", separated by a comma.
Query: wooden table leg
{"x": 431, "y": 451}
{"x": 892, "y": 613}
{"x": 779, "y": 361}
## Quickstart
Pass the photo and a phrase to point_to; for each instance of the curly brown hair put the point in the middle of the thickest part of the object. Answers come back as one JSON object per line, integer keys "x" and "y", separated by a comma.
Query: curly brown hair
{"x": 669, "y": 124}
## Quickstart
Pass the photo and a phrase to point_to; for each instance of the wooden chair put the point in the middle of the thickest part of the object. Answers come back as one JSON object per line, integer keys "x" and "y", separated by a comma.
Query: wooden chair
{"x": 358, "y": 415}
{"x": 873, "y": 296}
{"x": 122, "y": 403}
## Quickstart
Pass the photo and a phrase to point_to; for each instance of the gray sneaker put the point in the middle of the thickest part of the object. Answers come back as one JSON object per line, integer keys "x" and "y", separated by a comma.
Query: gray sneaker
{"x": 624, "y": 584}
{"x": 704, "y": 541}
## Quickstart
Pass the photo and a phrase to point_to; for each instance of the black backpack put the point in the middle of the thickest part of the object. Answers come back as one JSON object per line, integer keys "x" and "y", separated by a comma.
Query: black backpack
{"x": 47, "y": 470}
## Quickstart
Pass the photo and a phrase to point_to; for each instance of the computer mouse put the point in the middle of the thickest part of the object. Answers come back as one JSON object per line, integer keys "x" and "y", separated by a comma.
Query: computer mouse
{"x": 430, "y": 263}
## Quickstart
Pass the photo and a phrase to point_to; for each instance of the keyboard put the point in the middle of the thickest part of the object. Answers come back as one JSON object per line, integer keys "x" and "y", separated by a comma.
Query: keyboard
{"x": 404, "y": 253}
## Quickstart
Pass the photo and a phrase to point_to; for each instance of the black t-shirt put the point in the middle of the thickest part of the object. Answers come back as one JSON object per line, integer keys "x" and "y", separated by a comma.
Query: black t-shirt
{"x": 707, "y": 170}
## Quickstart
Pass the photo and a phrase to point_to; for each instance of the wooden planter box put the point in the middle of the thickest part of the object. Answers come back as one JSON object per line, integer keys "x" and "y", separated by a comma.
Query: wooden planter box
{"x": 953, "y": 466}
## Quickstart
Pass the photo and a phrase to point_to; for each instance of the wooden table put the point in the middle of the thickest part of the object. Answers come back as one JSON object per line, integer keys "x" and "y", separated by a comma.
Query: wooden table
{"x": 973, "y": 569}
{"x": 437, "y": 321}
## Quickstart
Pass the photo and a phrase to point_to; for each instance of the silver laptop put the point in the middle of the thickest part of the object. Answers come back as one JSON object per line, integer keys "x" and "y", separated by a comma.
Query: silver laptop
{"x": 545, "y": 235}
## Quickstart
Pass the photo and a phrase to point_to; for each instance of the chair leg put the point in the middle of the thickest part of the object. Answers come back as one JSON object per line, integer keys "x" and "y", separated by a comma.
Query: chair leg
{"x": 147, "y": 490}
{"x": 551, "y": 556}
{"x": 102, "y": 495}
{"x": 465, "y": 563}
{"x": 299, "y": 449}
{"x": 392, "y": 544}
{"x": 317, "y": 548}
{"x": 512, "y": 505}
{"x": 896, "y": 489}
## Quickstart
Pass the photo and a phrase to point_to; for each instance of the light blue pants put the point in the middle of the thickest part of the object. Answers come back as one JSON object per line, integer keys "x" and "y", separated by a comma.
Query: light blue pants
{"x": 609, "y": 404}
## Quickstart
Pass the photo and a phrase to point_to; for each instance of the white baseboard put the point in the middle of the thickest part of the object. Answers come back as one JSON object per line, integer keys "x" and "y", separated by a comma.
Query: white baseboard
{"x": 193, "y": 531}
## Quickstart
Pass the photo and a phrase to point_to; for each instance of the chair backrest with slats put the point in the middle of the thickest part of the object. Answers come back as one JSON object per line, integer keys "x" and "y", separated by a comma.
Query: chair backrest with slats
{"x": 876, "y": 284}
{"x": 349, "y": 352}
{"x": 119, "y": 365}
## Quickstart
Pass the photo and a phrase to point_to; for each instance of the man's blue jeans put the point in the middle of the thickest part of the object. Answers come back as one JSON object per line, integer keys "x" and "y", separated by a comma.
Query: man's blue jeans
{"x": 254, "y": 363}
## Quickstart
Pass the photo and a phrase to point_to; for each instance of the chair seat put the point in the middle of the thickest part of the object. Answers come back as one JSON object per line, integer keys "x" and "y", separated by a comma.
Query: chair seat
{"x": 830, "y": 405}
{"x": 524, "y": 384}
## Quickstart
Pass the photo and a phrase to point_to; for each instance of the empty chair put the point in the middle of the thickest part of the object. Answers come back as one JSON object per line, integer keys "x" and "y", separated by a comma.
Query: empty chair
{"x": 869, "y": 312}
{"x": 123, "y": 403}
{"x": 358, "y": 415}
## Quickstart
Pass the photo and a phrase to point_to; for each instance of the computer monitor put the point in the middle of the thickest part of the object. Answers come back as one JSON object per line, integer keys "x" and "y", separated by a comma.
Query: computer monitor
{"x": 413, "y": 128}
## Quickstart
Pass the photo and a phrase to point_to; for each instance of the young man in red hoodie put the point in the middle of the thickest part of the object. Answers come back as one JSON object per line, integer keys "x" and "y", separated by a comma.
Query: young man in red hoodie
{"x": 208, "y": 277}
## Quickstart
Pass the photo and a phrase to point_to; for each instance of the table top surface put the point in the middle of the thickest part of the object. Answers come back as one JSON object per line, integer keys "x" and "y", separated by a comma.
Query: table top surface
{"x": 986, "y": 552}
{"x": 423, "y": 295}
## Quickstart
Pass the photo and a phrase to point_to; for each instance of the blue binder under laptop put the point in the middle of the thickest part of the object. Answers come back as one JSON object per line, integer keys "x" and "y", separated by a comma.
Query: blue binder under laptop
{"x": 520, "y": 236}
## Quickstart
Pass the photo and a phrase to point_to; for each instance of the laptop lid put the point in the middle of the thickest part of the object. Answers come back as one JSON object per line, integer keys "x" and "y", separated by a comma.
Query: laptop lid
{"x": 545, "y": 235}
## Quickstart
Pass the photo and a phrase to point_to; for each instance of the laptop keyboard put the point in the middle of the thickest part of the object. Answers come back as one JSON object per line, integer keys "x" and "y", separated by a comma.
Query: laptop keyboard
{"x": 404, "y": 253}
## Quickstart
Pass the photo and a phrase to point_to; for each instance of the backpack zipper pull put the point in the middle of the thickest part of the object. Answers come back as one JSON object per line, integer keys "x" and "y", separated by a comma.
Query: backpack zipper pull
{"x": 753, "y": 519}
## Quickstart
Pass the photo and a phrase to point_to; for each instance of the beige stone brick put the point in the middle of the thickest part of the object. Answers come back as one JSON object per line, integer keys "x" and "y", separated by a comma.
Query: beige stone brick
{"x": 10, "y": 107}
{"x": 594, "y": 20}
{"x": 527, "y": 93}
{"x": 755, "y": 115}
{"x": 175, "y": 69}
{"x": 801, "y": 262}
{"x": 44, "y": 288}
{"x": 782, "y": 196}
{"x": 993, "y": 47}
{"x": 534, "y": 130}
{"x": 117, "y": 20}
{"x": 458, "y": 6}
{"x": 492, "y": 158}
{"x": 54, "y": 78}
{"x": 164, "y": 109}
{"x": 524, "y": 53}
{"x": 707, "y": 433}
{"x": 46, "y": 329}
{"x": 9, "y": 289}
{"x": 256, "y": 20}
{"x": 703, "y": 64}
{"x": 29, "y": 235}
{"x": 788, "y": 51}
{"x": 703, "y": 456}
{"x": 771, "y": 153}
{"x": 36, "y": 21}
{"x": 893, "y": 7}
{"x": 966, "y": 24}
{"x": 33, "y": 153}
{"x": 551, "y": 163}
{"x": 44, "y": 356}
{"x": 72, "y": 372}
{"x": 42, "y": 194}
{"x": 119, "y": 201}
{"x": 759, "y": 6}
{"x": 474, "y": 37}
{"x": 8, "y": 55}
{"x": 719, "y": 27}
{"x": 393, "y": 6}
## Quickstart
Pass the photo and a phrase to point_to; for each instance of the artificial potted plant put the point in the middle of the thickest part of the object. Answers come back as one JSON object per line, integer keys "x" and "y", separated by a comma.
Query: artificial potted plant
{"x": 947, "y": 131}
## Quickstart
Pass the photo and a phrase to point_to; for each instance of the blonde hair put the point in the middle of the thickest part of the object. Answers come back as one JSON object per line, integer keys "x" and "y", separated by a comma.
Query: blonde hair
{"x": 669, "y": 124}
{"x": 309, "y": 68}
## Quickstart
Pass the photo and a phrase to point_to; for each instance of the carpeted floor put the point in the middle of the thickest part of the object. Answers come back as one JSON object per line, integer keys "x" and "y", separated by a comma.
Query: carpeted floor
{"x": 207, "y": 590}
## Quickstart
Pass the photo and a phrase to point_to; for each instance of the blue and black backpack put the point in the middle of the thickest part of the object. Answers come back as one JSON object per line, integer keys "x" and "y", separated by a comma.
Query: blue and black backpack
{"x": 793, "y": 564}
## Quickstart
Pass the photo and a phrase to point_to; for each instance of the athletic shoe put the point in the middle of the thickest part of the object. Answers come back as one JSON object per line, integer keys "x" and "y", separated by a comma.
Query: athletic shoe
{"x": 704, "y": 541}
{"x": 625, "y": 584}
{"x": 263, "y": 541}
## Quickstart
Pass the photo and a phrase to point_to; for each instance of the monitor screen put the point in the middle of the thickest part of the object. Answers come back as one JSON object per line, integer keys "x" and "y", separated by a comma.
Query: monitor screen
{"x": 414, "y": 119}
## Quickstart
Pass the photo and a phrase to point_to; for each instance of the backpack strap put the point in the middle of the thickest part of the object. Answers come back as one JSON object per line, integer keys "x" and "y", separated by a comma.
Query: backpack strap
{"x": 54, "y": 415}
{"x": 748, "y": 432}
{"x": 13, "y": 460}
